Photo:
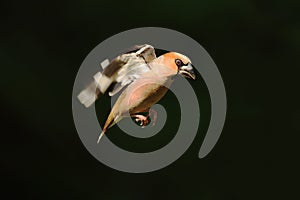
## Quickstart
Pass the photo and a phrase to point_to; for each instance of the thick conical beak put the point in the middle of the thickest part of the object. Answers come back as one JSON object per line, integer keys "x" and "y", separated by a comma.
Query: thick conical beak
{"x": 187, "y": 71}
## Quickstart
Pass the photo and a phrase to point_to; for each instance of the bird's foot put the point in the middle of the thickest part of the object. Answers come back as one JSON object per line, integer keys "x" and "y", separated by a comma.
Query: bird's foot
{"x": 141, "y": 119}
{"x": 144, "y": 118}
{"x": 153, "y": 116}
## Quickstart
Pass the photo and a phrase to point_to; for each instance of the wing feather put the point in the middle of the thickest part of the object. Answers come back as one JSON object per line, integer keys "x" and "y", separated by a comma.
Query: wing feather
{"x": 120, "y": 72}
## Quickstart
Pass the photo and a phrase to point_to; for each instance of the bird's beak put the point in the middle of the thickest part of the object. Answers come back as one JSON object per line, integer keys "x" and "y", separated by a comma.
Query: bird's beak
{"x": 187, "y": 71}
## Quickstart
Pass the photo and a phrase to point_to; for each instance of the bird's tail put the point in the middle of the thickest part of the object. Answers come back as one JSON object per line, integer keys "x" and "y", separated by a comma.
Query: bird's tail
{"x": 109, "y": 123}
{"x": 100, "y": 136}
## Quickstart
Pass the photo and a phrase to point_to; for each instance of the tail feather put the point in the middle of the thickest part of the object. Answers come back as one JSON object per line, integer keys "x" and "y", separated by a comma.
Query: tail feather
{"x": 109, "y": 123}
{"x": 100, "y": 136}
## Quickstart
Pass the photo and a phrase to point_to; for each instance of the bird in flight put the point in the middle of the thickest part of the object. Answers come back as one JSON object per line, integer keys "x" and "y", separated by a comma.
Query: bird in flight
{"x": 145, "y": 79}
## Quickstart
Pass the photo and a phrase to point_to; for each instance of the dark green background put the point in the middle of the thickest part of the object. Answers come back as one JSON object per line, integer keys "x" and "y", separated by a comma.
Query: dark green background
{"x": 255, "y": 44}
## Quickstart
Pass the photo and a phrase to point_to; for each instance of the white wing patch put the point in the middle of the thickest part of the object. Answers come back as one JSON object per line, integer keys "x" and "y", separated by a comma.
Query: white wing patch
{"x": 104, "y": 63}
{"x": 136, "y": 65}
{"x": 121, "y": 71}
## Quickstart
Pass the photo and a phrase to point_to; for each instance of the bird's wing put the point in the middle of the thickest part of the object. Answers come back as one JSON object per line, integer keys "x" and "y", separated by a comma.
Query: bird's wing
{"x": 136, "y": 63}
{"x": 120, "y": 72}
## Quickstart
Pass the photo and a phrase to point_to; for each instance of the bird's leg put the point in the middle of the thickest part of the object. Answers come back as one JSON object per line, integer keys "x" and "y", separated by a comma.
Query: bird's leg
{"x": 153, "y": 116}
{"x": 144, "y": 118}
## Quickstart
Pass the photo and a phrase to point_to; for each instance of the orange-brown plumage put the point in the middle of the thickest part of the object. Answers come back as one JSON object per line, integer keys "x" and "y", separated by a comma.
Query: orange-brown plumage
{"x": 149, "y": 88}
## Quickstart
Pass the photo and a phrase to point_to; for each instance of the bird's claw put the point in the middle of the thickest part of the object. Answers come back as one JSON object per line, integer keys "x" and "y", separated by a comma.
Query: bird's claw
{"x": 141, "y": 120}
{"x": 153, "y": 116}
{"x": 144, "y": 119}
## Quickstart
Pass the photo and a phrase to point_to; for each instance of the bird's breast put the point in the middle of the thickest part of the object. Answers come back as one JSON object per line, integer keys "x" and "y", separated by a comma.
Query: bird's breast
{"x": 143, "y": 93}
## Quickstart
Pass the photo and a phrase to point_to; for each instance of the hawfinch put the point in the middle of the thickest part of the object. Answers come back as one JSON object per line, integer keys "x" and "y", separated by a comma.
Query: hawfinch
{"x": 147, "y": 79}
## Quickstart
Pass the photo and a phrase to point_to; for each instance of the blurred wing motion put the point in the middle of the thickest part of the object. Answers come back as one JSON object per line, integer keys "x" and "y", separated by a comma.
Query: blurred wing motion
{"x": 120, "y": 72}
{"x": 148, "y": 79}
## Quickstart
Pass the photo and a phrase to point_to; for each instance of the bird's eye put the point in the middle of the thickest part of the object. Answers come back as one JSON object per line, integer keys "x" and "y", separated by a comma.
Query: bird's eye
{"x": 178, "y": 62}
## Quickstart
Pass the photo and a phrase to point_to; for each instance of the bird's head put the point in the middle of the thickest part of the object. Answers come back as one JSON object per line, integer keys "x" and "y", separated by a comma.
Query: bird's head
{"x": 179, "y": 63}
